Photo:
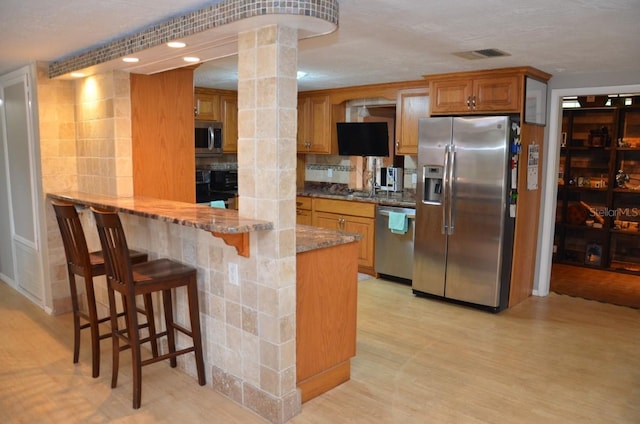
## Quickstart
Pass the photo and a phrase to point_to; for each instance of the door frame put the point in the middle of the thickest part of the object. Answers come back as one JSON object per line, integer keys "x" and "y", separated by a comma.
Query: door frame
{"x": 550, "y": 172}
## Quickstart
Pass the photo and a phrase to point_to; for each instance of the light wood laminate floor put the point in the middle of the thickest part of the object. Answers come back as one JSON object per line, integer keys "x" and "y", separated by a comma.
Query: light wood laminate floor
{"x": 557, "y": 359}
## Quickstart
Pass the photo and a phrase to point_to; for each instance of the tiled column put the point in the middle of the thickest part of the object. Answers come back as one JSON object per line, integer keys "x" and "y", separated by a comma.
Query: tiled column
{"x": 267, "y": 101}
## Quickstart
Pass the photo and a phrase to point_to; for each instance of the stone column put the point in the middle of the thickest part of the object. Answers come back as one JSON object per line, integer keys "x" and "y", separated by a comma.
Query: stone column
{"x": 267, "y": 116}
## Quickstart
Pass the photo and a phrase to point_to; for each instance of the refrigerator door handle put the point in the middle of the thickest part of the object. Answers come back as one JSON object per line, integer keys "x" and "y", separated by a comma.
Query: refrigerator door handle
{"x": 451, "y": 204}
{"x": 445, "y": 191}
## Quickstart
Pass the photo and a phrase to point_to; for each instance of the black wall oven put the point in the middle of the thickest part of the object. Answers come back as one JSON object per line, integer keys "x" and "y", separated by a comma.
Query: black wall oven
{"x": 217, "y": 185}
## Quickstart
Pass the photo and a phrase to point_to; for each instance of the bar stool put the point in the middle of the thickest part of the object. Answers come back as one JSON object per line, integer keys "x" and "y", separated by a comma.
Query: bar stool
{"x": 160, "y": 275}
{"x": 87, "y": 265}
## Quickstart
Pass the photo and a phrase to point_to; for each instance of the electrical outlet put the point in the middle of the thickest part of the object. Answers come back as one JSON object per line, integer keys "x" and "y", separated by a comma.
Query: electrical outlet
{"x": 329, "y": 172}
{"x": 233, "y": 273}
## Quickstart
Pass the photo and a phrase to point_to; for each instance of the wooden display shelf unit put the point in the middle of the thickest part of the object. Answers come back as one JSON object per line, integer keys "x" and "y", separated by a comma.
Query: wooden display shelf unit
{"x": 595, "y": 154}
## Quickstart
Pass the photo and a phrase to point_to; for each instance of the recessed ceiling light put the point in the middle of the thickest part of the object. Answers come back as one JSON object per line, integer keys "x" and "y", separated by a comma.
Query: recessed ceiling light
{"x": 176, "y": 44}
{"x": 301, "y": 74}
{"x": 77, "y": 74}
{"x": 130, "y": 59}
{"x": 191, "y": 59}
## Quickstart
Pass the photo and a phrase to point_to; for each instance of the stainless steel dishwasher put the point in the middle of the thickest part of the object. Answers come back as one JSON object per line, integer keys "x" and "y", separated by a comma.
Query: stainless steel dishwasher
{"x": 394, "y": 252}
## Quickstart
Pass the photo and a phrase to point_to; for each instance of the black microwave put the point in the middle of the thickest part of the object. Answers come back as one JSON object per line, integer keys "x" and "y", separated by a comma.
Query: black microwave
{"x": 208, "y": 138}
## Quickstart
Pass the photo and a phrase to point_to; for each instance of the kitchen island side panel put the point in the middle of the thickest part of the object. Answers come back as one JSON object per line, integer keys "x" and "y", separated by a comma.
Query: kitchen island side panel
{"x": 326, "y": 306}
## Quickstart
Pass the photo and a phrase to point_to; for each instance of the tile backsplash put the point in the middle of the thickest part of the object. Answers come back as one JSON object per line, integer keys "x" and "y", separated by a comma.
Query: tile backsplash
{"x": 341, "y": 170}
{"x": 223, "y": 162}
{"x": 321, "y": 168}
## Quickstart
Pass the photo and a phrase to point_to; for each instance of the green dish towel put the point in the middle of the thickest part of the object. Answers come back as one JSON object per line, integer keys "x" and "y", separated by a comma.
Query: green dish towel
{"x": 217, "y": 204}
{"x": 398, "y": 222}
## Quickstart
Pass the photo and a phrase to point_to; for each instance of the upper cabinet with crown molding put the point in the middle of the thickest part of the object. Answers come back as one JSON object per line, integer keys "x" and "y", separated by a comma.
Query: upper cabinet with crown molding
{"x": 480, "y": 92}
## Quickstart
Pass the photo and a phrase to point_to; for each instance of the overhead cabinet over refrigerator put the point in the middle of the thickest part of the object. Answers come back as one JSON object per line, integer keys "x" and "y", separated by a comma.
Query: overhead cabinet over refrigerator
{"x": 464, "y": 231}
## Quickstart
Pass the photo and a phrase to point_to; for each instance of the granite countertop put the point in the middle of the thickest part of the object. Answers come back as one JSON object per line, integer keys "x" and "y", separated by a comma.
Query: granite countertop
{"x": 311, "y": 238}
{"x": 404, "y": 199}
{"x": 224, "y": 221}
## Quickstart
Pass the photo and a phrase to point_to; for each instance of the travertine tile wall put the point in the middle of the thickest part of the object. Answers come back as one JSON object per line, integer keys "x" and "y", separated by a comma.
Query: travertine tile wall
{"x": 103, "y": 122}
{"x": 250, "y": 326}
{"x": 85, "y": 142}
{"x": 56, "y": 116}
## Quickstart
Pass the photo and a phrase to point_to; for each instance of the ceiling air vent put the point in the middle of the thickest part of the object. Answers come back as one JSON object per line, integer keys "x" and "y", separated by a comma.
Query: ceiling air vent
{"x": 481, "y": 54}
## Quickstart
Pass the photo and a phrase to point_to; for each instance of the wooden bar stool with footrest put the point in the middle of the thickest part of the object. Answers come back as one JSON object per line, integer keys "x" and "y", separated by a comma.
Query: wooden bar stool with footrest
{"x": 160, "y": 275}
{"x": 87, "y": 265}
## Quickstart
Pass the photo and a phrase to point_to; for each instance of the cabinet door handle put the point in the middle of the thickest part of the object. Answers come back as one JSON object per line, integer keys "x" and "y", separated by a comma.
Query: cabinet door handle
{"x": 473, "y": 102}
{"x": 469, "y": 102}
{"x": 397, "y": 143}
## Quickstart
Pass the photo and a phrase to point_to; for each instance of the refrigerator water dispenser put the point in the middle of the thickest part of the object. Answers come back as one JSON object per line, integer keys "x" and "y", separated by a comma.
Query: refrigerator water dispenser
{"x": 432, "y": 175}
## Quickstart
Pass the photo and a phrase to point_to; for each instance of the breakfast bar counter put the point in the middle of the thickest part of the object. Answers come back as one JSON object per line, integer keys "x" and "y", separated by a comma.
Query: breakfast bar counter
{"x": 326, "y": 282}
{"x": 192, "y": 215}
{"x": 221, "y": 222}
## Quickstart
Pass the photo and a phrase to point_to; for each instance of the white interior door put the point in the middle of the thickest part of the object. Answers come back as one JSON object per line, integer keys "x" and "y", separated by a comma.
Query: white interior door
{"x": 20, "y": 189}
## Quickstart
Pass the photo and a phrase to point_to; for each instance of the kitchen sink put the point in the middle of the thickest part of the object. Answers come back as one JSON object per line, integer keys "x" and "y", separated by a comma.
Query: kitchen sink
{"x": 361, "y": 194}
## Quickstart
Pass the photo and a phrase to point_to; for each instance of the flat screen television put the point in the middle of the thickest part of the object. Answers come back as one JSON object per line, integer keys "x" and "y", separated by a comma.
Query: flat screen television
{"x": 363, "y": 138}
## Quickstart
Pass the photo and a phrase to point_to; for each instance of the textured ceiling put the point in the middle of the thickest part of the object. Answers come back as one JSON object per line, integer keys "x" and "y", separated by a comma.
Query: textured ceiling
{"x": 377, "y": 40}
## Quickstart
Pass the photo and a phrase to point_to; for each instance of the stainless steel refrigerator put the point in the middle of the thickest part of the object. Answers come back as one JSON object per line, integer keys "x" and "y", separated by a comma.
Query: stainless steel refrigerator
{"x": 464, "y": 231}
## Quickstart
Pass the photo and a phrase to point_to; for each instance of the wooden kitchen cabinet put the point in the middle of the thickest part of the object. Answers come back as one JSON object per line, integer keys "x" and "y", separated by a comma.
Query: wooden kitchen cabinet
{"x": 477, "y": 92}
{"x": 303, "y": 210}
{"x": 412, "y": 104}
{"x": 206, "y": 105}
{"x": 316, "y": 124}
{"x": 326, "y": 315}
{"x": 351, "y": 216}
{"x": 229, "y": 113}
